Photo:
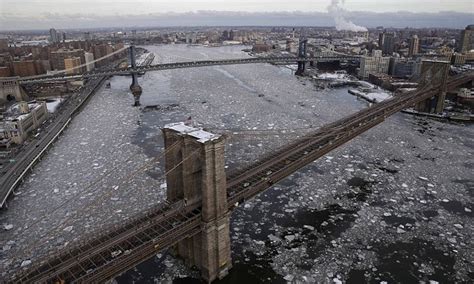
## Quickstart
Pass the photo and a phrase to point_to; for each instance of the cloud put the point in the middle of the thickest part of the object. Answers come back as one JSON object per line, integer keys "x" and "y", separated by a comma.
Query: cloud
{"x": 337, "y": 11}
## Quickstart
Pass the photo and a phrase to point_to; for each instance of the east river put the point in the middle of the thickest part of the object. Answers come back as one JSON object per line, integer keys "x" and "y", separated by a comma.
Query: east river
{"x": 394, "y": 204}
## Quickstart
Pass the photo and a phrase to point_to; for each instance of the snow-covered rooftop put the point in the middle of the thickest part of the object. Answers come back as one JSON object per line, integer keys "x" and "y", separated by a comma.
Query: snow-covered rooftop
{"x": 201, "y": 135}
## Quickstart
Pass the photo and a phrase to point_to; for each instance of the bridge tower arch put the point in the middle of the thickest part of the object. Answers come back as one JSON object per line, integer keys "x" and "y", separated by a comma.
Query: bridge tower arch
{"x": 196, "y": 157}
{"x": 10, "y": 90}
{"x": 433, "y": 72}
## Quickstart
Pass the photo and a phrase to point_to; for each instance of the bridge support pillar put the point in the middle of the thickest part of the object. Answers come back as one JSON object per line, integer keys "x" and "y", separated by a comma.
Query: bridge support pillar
{"x": 195, "y": 166}
{"x": 433, "y": 72}
{"x": 301, "y": 54}
{"x": 135, "y": 88}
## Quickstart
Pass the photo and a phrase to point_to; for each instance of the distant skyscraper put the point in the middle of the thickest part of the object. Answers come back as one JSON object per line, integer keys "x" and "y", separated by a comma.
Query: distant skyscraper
{"x": 414, "y": 46}
{"x": 381, "y": 39}
{"x": 89, "y": 57}
{"x": 467, "y": 39}
{"x": 389, "y": 43}
{"x": 225, "y": 35}
{"x": 53, "y": 36}
{"x": 87, "y": 36}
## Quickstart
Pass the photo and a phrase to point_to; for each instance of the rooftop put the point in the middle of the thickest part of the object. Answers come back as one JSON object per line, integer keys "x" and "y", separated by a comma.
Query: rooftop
{"x": 201, "y": 135}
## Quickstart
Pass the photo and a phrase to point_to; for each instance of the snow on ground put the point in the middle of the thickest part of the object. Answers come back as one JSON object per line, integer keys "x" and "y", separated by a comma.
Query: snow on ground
{"x": 332, "y": 76}
{"x": 53, "y": 104}
{"x": 375, "y": 96}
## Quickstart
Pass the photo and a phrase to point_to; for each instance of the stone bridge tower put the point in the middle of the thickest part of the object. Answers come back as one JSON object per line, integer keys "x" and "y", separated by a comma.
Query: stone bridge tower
{"x": 196, "y": 174}
{"x": 10, "y": 90}
{"x": 433, "y": 72}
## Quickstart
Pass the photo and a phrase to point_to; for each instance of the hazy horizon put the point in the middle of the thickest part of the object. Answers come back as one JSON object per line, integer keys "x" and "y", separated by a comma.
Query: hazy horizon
{"x": 225, "y": 18}
{"x": 344, "y": 14}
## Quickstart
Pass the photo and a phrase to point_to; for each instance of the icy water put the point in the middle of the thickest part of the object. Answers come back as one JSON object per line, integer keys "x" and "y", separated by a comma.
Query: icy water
{"x": 394, "y": 204}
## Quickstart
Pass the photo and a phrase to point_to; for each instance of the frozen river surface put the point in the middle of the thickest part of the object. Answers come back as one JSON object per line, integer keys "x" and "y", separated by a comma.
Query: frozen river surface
{"x": 394, "y": 204}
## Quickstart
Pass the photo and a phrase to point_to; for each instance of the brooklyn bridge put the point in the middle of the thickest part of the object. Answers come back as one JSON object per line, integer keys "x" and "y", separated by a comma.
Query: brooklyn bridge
{"x": 201, "y": 194}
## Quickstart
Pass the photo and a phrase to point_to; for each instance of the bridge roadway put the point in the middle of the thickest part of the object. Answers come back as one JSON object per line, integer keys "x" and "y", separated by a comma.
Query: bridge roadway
{"x": 123, "y": 247}
{"x": 191, "y": 64}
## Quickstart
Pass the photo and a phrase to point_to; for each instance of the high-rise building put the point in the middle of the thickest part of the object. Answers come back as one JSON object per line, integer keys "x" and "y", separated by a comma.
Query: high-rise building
{"x": 89, "y": 57}
{"x": 402, "y": 68}
{"x": 414, "y": 46}
{"x": 24, "y": 68}
{"x": 70, "y": 63}
{"x": 225, "y": 35}
{"x": 389, "y": 43}
{"x": 373, "y": 65}
{"x": 467, "y": 39}
{"x": 57, "y": 57}
{"x": 381, "y": 39}
{"x": 87, "y": 36}
{"x": 53, "y": 36}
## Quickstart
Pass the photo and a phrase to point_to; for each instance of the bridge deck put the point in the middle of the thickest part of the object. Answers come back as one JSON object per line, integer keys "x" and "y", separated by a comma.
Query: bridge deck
{"x": 106, "y": 255}
{"x": 180, "y": 65}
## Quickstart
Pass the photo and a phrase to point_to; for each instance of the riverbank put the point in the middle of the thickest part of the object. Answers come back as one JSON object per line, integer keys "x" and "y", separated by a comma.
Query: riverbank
{"x": 31, "y": 154}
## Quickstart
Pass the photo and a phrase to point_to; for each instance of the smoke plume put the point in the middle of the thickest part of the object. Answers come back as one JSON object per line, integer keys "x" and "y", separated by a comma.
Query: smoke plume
{"x": 337, "y": 11}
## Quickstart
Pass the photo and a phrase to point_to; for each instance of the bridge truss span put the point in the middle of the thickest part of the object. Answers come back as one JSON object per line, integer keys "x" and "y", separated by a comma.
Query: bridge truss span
{"x": 187, "y": 64}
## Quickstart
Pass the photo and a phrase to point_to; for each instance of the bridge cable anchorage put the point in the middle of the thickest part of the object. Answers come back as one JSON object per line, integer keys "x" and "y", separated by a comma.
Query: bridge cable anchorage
{"x": 63, "y": 71}
{"x": 32, "y": 269}
{"x": 28, "y": 250}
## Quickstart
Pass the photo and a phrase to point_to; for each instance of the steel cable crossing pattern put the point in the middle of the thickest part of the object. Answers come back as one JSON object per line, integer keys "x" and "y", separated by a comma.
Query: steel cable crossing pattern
{"x": 144, "y": 167}
{"x": 242, "y": 186}
{"x": 53, "y": 268}
{"x": 253, "y": 180}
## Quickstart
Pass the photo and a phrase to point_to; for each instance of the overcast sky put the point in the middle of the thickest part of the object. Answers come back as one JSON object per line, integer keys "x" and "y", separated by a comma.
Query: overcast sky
{"x": 30, "y": 14}
{"x": 113, "y": 7}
